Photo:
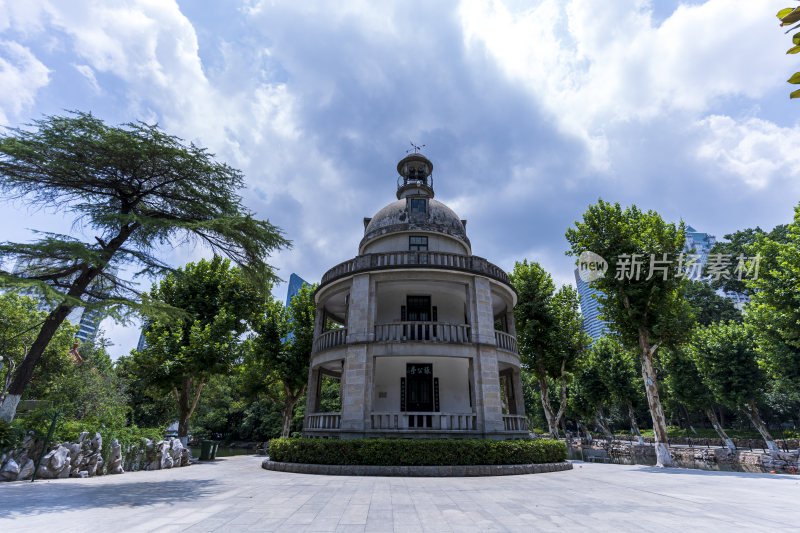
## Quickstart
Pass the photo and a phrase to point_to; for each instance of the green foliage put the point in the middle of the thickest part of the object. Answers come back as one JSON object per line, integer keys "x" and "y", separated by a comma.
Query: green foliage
{"x": 739, "y": 244}
{"x": 218, "y": 302}
{"x": 618, "y": 371}
{"x": 708, "y": 306}
{"x": 276, "y": 363}
{"x": 789, "y": 16}
{"x": 10, "y": 437}
{"x": 404, "y": 452}
{"x": 653, "y": 307}
{"x": 683, "y": 380}
{"x": 20, "y": 321}
{"x": 726, "y": 356}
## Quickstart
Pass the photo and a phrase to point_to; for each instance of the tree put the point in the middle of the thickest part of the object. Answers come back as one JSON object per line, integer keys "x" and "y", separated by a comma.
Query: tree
{"x": 617, "y": 369}
{"x": 20, "y": 321}
{"x": 588, "y": 394}
{"x": 726, "y": 355}
{"x": 645, "y": 309}
{"x": 708, "y": 306}
{"x": 789, "y": 16}
{"x": 218, "y": 303}
{"x": 774, "y": 309}
{"x": 685, "y": 383}
{"x": 280, "y": 350}
{"x": 551, "y": 339}
{"x": 135, "y": 188}
{"x": 738, "y": 246}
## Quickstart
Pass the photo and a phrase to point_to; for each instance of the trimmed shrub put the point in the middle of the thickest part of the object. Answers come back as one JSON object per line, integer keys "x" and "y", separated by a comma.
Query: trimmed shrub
{"x": 407, "y": 452}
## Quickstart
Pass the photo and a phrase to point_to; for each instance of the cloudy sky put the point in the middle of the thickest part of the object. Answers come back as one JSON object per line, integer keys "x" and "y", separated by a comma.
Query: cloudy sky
{"x": 530, "y": 110}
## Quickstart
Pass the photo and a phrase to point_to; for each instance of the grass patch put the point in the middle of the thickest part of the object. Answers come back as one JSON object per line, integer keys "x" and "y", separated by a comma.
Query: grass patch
{"x": 407, "y": 452}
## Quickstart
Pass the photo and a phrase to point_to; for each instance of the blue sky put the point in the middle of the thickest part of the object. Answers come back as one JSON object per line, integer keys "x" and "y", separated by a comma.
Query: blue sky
{"x": 530, "y": 110}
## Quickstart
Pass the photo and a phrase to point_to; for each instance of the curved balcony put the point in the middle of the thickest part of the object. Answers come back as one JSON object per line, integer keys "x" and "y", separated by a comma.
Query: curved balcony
{"x": 329, "y": 339}
{"x": 506, "y": 341}
{"x": 423, "y": 332}
{"x": 435, "y": 260}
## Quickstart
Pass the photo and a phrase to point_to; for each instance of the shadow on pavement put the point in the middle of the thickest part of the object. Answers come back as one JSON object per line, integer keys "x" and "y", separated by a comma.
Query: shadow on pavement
{"x": 717, "y": 473}
{"x": 25, "y": 498}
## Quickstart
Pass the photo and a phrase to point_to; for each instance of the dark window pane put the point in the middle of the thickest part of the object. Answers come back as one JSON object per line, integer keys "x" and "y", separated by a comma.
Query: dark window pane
{"x": 417, "y": 205}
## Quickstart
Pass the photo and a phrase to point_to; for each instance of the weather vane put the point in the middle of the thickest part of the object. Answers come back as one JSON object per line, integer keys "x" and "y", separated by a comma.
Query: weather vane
{"x": 415, "y": 148}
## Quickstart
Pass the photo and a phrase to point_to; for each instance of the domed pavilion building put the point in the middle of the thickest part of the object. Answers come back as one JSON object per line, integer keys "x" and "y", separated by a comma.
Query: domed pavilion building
{"x": 417, "y": 330}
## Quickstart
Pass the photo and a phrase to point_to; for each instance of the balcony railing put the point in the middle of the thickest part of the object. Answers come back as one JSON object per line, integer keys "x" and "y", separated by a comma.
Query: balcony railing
{"x": 422, "y": 332}
{"x": 431, "y": 421}
{"x": 506, "y": 341}
{"x": 323, "y": 420}
{"x": 515, "y": 423}
{"x": 330, "y": 339}
{"x": 442, "y": 260}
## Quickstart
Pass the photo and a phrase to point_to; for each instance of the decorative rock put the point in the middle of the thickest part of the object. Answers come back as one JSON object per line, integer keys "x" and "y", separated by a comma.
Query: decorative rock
{"x": 10, "y": 471}
{"x": 176, "y": 451}
{"x": 26, "y": 471}
{"x": 165, "y": 460}
{"x": 115, "y": 461}
{"x": 97, "y": 442}
{"x": 186, "y": 457}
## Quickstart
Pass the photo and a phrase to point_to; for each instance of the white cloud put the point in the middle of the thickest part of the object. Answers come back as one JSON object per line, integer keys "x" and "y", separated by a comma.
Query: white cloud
{"x": 21, "y": 76}
{"x": 757, "y": 152}
{"x": 593, "y": 63}
{"x": 87, "y": 72}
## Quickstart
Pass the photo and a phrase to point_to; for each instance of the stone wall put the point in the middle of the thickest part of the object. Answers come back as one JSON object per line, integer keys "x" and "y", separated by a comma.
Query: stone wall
{"x": 787, "y": 444}
{"x": 85, "y": 458}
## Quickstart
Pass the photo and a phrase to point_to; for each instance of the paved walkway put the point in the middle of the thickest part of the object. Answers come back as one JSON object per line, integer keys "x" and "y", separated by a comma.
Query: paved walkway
{"x": 236, "y": 494}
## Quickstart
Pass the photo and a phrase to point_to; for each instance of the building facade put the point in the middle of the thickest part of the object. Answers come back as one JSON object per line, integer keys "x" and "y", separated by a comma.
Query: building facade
{"x": 424, "y": 342}
{"x": 593, "y": 325}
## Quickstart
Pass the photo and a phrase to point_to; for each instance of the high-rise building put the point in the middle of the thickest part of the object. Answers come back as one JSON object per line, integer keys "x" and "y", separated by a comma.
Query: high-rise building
{"x": 295, "y": 284}
{"x": 698, "y": 244}
{"x": 590, "y": 309}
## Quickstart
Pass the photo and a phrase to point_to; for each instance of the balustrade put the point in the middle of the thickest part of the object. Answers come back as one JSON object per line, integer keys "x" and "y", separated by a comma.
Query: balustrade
{"x": 424, "y": 420}
{"x": 468, "y": 263}
{"x": 330, "y": 339}
{"x": 323, "y": 420}
{"x": 423, "y": 332}
{"x": 515, "y": 423}
{"x": 506, "y": 341}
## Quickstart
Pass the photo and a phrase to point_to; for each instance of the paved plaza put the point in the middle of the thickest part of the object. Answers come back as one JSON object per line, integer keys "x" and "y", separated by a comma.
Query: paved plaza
{"x": 236, "y": 494}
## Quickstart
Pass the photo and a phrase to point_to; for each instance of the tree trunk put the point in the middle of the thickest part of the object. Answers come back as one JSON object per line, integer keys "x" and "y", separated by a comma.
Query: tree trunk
{"x": 288, "y": 409}
{"x": 187, "y": 402}
{"x": 563, "y": 405}
{"x": 720, "y": 431}
{"x": 634, "y": 425}
{"x": 548, "y": 409}
{"x": 663, "y": 457}
{"x": 602, "y": 425}
{"x": 25, "y": 370}
{"x": 7, "y": 379}
{"x": 582, "y": 427}
{"x": 752, "y": 413}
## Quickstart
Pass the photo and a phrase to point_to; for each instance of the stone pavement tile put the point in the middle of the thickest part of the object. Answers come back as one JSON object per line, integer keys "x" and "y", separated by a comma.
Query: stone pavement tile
{"x": 301, "y": 518}
{"x": 210, "y": 524}
{"x": 355, "y": 514}
{"x": 350, "y": 528}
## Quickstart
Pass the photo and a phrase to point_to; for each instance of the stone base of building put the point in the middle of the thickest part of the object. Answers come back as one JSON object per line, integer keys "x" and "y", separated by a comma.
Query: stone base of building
{"x": 416, "y": 471}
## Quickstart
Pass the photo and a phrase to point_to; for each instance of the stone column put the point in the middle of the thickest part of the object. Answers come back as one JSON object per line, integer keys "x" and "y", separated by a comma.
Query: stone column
{"x": 358, "y": 310}
{"x": 357, "y": 372}
{"x": 517, "y": 384}
{"x": 311, "y": 391}
{"x": 483, "y": 326}
{"x": 488, "y": 389}
{"x": 354, "y": 389}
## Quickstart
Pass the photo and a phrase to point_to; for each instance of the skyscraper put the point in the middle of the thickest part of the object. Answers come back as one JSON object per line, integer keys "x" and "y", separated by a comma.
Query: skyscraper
{"x": 590, "y": 309}
{"x": 295, "y": 284}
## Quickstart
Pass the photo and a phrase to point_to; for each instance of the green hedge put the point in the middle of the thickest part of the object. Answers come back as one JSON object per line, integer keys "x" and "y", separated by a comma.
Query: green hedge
{"x": 406, "y": 452}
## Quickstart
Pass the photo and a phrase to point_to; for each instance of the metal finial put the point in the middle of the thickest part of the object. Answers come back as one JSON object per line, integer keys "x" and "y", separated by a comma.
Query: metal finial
{"x": 415, "y": 147}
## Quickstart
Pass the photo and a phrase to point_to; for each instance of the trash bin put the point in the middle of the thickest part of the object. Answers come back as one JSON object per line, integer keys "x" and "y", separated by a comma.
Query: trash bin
{"x": 206, "y": 447}
{"x": 214, "y": 450}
